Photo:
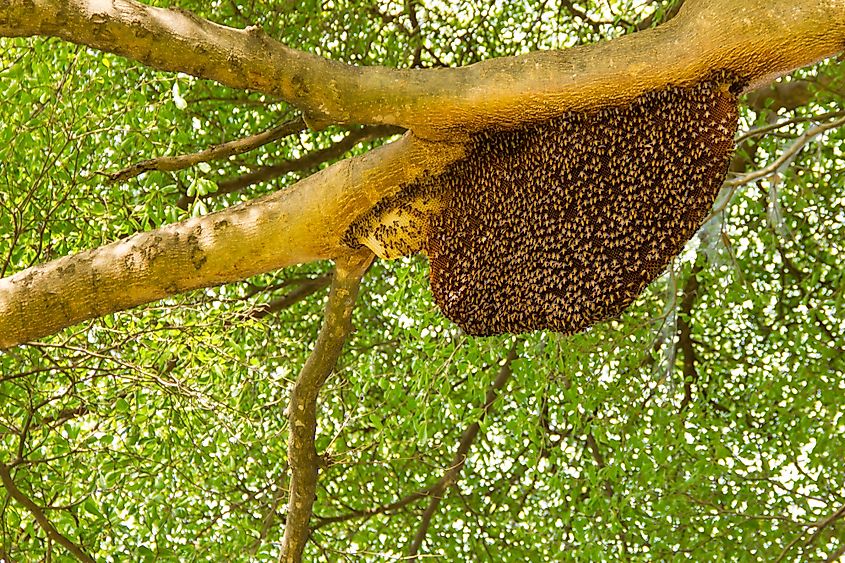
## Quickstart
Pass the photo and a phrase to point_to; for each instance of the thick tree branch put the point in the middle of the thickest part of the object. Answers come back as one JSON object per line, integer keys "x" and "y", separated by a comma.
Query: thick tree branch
{"x": 38, "y": 514}
{"x": 301, "y": 224}
{"x": 450, "y": 476}
{"x": 217, "y": 152}
{"x": 302, "y": 409}
{"x": 756, "y": 39}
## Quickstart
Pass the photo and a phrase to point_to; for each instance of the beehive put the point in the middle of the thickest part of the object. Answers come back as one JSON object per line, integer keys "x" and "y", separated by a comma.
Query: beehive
{"x": 561, "y": 224}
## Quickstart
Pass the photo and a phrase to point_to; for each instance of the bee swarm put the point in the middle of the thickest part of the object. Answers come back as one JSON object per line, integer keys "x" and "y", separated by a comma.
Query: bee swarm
{"x": 561, "y": 224}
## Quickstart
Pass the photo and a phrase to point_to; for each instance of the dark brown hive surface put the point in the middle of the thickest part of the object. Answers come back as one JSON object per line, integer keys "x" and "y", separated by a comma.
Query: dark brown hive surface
{"x": 561, "y": 224}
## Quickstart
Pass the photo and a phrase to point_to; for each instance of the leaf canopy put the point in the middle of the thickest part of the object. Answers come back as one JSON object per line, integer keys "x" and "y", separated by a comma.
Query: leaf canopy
{"x": 705, "y": 423}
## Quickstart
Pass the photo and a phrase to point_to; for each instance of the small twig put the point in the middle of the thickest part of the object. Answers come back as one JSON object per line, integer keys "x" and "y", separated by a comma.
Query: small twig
{"x": 575, "y": 11}
{"x": 757, "y": 131}
{"x": 411, "y": 11}
{"x": 836, "y": 555}
{"x": 454, "y": 470}
{"x": 306, "y": 288}
{"x": 787, "y": 95}
{"x": 787, "y": 155}
{"x": 302, "y": 410}
{"x": 269, "y": 517}
{"x": 23, "y": 436}
{"x": 597, "y": 456}
{"x": 217, "y": 152}
{"x": 366, "y": 514}
{"x": 39, "y": 516}
{"x": 667, "y": 15}
{"x": 307, "y": 162}
{"x": 820, "y": 526}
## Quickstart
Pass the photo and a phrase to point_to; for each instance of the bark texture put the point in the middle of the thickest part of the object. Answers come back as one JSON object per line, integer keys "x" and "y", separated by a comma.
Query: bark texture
{"x": 755, "y": 40}
{"x": 301, "y": 224}
{"x": 302, "y": 410}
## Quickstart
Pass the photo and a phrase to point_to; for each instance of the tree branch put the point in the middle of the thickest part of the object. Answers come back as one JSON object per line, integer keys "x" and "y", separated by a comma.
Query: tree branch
{"x": 756, "y": 39}
{"x": 269, "y": 518}
{"x": 301, "y": 224}
{"x": 668, "y": 15}
{"x": 302, "y": 410}
{"x": 307, "y": 162}
{"x": 217, "y": 152}
{"x": 451, "y": 475}
{"x": 685, "y": 342}
{"x": 763, "y": 129}
{"x": 819, "y": 526}
{"x": 786, "y": 95}
{"x": 597, "y": 456}
{"x": 788, "y": 155}
{"x": 38, "y": 514}
{"x": 369, "y": 513}
{"x": 836, "y": 555}
{"x": 306, "y": 288}
{"x": 825, "y": 523}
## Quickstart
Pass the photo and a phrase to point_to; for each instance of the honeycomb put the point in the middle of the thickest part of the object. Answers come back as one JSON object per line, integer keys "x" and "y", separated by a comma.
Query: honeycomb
{"x": 561, "y": 224}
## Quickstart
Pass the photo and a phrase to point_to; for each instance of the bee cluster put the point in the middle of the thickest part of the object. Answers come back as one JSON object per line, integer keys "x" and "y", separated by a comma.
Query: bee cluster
{"x": 561, "y": 224}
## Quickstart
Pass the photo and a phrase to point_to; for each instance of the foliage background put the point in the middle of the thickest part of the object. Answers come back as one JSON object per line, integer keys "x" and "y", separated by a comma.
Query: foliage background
{"x": 705, "y": 424}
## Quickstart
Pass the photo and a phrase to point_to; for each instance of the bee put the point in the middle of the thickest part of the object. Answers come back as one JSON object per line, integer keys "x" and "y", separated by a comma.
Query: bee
{"x": 560, "y": 224}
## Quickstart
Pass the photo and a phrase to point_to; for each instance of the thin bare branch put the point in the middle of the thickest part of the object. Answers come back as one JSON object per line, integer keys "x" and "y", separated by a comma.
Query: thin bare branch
{"x": 824, "y": 523}
{"x": 820, "y": 526}
{"x": 836, "y": 555}
{"x": 685, "y": 341}
{"x": 787, "y": 156}
{"x": 415, "y": 38}
{"x": 786, "y": 95}
{"x": 269, "y": 517}
{"x": 303, "y": 164}
{"x": 383, "y": 509}
{"x": 762, "y": 130}
{"x": 667, "y": 15}
{"x": 452, "y": 473}
{"x": 38, "y": 514}
{"x": 302, "y": 410}
{"x": 306, "y": 288}
{"x": 217, "y": 152}
{"x": 598, "y": 457}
